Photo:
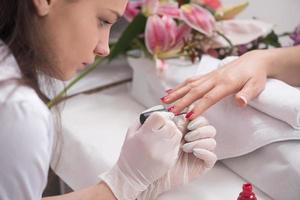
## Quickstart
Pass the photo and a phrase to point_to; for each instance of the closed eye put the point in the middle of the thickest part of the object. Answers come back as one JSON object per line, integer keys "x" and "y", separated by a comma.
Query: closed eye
{"x": 103, "y": 23}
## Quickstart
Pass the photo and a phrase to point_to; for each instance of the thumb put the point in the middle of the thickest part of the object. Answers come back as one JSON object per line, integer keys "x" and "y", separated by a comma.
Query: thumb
{"x": 133, "y": 129}
{"x": 251, "y": 89}
{"x": 157, "y": 120}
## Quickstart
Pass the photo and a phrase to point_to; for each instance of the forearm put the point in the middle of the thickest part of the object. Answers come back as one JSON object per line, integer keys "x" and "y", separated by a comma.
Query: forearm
{"x": 97, "y": 192}
{"x": 284, "y": 64}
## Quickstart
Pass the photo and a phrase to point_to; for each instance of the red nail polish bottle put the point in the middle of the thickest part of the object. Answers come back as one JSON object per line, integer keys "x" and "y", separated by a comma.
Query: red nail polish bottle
{"x": 247, "y": 193}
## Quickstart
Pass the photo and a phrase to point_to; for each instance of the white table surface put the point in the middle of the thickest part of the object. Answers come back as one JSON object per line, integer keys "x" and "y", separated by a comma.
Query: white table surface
{"x": 94, "y": 127}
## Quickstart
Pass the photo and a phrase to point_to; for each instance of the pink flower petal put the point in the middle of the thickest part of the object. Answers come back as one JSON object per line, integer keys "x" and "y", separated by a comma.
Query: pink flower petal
{"x": 213, "y": 4}
{"x": 171, "y": 29}
{"x": 169, "y": 9}
{"x": 155, "y": 35}
{"x": 132, "y": 9}
{"x": 198, "y": 18}
{"x": 182, "y": 31}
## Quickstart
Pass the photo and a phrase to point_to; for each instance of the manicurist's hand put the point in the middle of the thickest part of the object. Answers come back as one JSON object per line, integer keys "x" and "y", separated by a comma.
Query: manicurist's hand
{"x": 195, "y": 157}
{"x": 148, "y": 152}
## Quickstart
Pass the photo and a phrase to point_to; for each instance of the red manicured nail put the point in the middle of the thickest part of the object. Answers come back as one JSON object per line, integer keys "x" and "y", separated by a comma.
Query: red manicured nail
{"x": 189, "y": 114}
{"x": 163, "y": 99}
{"x": 169, "y": 90}
{"x": 170, "y": 108}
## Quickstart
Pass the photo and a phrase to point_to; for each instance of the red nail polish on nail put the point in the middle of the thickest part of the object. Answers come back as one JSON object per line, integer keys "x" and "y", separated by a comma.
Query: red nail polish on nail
{"x": 163, "y": 99}
{"x": 169, "y": 90}
{"x": 171, "y": 108}
{"x": 189, "y": 114}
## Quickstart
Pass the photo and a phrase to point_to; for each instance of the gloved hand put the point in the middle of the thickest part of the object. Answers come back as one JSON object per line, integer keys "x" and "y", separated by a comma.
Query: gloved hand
{"x": 148, "y": 152}
{"x": 195, "y": 158}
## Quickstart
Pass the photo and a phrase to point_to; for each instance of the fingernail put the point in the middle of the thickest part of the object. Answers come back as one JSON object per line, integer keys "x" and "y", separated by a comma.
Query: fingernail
{"x": 241, "y": 101}
{"x": 189, "y": 115}
{"x": 164, "y": 99}
{"x": 171, "y": 108}
{"x": 169, "y": 90}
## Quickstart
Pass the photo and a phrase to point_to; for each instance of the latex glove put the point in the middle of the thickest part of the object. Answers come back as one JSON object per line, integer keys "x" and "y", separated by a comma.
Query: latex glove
{"x": 195, "y": 158}
{"x": 148, "y": 152}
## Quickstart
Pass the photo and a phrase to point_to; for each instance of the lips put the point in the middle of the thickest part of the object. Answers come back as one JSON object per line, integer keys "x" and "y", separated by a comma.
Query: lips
{"x": 85, "y": 64}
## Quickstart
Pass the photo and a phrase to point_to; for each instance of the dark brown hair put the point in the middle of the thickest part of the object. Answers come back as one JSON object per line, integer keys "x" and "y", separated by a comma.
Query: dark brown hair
{"x": 19, "y": 31}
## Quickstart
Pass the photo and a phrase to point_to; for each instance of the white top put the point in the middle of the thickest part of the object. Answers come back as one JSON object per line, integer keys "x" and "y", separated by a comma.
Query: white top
{"x": 26, "y": 136}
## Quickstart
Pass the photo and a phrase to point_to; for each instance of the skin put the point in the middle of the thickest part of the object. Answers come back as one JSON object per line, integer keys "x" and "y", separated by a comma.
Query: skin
{"x": 77, "y": 31}
{"x": 245, "y": 78}
{"x": 97, "y": 192}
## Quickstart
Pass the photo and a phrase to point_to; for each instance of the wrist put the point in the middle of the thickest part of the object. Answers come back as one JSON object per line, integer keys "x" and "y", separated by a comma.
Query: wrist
{"x": 267, "y": 60}
{"x": 121, "y": 186}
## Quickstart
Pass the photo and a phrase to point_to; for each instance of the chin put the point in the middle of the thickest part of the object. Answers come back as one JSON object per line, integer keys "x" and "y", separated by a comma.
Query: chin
{"x": 67, "y": 77}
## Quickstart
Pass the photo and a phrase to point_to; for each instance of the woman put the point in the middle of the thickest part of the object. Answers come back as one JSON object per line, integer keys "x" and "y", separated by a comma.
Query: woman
{"x": 57, "y": 38}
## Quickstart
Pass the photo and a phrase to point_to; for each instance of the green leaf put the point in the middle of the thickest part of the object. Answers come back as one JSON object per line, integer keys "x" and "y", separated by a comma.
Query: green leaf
{"x": 272, "y": 39}
{"x": 135, "y": 28}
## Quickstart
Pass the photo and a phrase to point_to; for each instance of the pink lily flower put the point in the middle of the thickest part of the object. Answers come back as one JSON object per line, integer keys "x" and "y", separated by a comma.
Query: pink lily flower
{"x": 132, "y": 9}
{"x": 163, "y": 37}
{"x": 198, "y": 18}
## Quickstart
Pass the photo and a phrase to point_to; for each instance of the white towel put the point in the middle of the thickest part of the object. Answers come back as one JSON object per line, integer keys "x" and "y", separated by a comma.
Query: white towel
{"x": 243, "y": 130}
{"x": 278, "y": 100}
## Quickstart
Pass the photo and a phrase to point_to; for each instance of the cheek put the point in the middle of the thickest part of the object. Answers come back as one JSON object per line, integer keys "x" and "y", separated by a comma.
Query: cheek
{"x": 85, "y": 38}
{"x": 79, "y": 45}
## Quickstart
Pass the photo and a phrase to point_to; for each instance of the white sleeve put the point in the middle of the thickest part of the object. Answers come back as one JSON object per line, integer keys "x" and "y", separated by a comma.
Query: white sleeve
{"x": 25, "y": 150}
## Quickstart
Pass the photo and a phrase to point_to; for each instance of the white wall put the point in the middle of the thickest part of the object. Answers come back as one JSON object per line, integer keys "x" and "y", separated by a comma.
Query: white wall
{"x": 284, "y": 14}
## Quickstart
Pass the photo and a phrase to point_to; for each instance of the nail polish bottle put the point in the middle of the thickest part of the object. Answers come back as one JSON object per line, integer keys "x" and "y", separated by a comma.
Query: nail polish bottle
{"x": 247, "y": 193}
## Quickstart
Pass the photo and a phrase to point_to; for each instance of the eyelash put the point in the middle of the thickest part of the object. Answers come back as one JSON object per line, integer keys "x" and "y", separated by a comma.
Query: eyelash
{"x": 103, "y": 23}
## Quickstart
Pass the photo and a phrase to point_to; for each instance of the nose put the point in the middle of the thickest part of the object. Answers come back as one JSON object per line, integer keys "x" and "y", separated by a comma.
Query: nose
{"x": 102, "y": 50}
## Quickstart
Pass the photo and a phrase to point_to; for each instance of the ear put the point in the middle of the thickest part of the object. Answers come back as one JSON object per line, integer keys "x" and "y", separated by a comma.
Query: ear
{"x": 42, "y": 6}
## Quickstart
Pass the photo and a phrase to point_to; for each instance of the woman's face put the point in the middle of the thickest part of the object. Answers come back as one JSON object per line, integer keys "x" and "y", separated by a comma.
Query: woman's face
{"x": 77, "y": 30}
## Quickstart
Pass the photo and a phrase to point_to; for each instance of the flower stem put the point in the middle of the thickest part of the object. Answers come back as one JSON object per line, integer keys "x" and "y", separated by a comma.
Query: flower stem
{"x": 227, "y": 40}
{"x": 58, "y": 97}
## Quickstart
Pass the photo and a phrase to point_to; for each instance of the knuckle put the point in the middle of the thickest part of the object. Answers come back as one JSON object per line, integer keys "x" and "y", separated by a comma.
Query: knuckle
{"x": 193, "y": 84}
{"x": 228, "y": 79}
{"x": 208, "y": 98}
{"x": 195, "y": 91}
{"x": 190, "y": 80}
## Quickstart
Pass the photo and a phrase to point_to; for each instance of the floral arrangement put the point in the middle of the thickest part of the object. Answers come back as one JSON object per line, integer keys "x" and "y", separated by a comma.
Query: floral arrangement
{"x": 162, "y": 29}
